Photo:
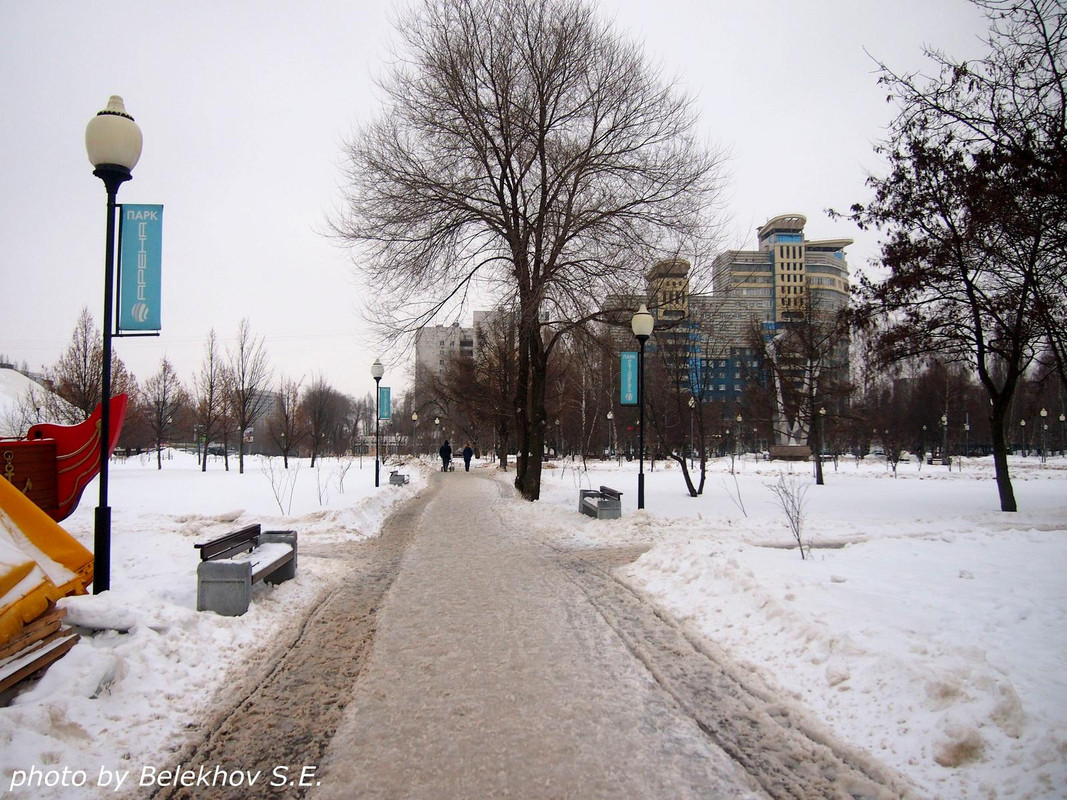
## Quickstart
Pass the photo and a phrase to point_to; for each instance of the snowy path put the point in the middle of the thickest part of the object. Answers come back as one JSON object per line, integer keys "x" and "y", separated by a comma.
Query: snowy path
{"x": 501, "y": 667}
{"x": 462, "y": 659}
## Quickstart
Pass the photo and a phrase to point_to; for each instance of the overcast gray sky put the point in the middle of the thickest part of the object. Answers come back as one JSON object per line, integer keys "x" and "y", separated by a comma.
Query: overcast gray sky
{"x": 245, "y": 107}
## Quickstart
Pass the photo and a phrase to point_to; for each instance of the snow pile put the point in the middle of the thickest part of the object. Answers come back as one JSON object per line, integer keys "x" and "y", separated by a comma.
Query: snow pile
{"x": 14, "y": 389}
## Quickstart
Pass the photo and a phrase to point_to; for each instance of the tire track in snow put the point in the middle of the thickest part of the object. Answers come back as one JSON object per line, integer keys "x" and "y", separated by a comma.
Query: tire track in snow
{"x": 786, "y": 757}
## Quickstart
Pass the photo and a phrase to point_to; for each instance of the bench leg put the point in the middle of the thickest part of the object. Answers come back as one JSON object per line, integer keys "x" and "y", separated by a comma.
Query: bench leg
{"x": 224, "y": 587}
{"x": 608, "y": 509}
{"x": 289, "y": 570}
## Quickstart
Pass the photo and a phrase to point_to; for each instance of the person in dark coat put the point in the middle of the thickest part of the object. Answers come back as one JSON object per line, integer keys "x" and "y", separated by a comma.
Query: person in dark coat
{"x": 468, "y": 454}
{"x": 446, "y": 455}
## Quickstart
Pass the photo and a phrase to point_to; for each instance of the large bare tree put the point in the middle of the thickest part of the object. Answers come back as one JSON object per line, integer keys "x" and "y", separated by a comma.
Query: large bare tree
{"x": 528, "y": 149}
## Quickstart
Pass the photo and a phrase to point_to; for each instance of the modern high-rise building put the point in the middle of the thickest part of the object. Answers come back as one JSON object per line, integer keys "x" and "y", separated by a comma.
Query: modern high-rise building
{"x": 785, "y": 282}
{"x": 764, "y": 290}
{"x": 435, "y": 345}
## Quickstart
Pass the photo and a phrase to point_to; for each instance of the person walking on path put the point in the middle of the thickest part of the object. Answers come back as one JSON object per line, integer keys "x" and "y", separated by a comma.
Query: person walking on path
{"x": 468, "y": 454}
{"x": 446, "y": 456}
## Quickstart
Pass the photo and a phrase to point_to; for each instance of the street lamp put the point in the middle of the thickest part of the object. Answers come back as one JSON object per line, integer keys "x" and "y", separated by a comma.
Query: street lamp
{"x": 692, "y": 408}
{"x": 642, "y": 325}
{"x": 819, "y": 446}
{"x": 611, "y": 424}
{"x": 113, "y": 143}
{"x": 1062, "y": 420}
{"x": 1022, "y": 429}
{"x": 740, "y": 434}
{"x": 414, "y": 431}
{"x": 944, "y": 441}
{"x": 1044, "y": 434}
{"x": 376, "y": 371}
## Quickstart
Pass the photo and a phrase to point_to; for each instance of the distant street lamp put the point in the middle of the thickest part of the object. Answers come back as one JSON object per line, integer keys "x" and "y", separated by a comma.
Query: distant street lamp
{"x": 414, "y": 432}
{"x": 692, "y": 408}
{"x": 1044, "y": 435}
{"x": 113, "y": 143}
{"x": 611, "y": 424}
{"x": 1063, "y": 419}
{"x": 821, "y": 423}
{"x": 376, "y": 371}
{"x": 740, "y": 435}
{"x": 944, "y": 441}
{"x": 1022, "y": 429}
{"x": 641, "y": 324}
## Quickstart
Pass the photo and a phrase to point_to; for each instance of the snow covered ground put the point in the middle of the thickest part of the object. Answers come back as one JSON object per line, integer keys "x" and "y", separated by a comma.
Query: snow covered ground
{"x": 926, "y": 626}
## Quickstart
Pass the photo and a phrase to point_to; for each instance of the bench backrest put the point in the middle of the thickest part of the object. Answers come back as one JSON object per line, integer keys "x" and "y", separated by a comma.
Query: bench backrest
{"x": 607, "y": 490}
{"x": 230, "y": 545}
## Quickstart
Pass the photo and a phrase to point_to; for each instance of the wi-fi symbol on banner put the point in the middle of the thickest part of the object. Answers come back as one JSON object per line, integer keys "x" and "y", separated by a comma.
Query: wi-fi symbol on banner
{"x": 139, "y": 312}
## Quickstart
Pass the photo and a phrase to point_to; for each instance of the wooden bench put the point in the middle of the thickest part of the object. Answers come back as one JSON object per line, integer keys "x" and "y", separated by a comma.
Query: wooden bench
{"x": 231, "y": 564}
{"x": 605, "y": 503}
{"x": 397, "y": 479}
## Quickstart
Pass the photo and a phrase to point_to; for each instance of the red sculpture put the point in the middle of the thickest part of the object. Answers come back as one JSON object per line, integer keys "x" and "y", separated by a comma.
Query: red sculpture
{"x": 53, "y": 464}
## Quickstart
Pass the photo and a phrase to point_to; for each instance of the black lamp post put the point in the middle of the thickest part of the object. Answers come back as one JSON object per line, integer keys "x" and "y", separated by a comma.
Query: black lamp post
{"x": 113, "y": 144}
{"x": 376, "y": 371}
{"x": 414, "y": 433}
{"x": 642, "y": 325}
{"x": 945, "y": 459}
{"x": 820, "y": 421}
{"x": 692, "y": 405}
{"x": 1044, "y": 435}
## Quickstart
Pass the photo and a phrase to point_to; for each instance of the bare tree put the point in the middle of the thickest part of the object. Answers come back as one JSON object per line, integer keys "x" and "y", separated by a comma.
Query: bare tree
{"x": 209, "y": 395}
{"x": 163, "y": 399}
{"x": 250, "y": 376}
{"x": 76, "y": 377}
{"x": 326, "y": 411}
{"x": 287, "y": 427}
{"x": 529, "y": 148}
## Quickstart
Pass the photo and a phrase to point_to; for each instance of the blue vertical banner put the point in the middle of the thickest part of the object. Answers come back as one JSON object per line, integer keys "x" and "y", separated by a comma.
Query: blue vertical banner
{"x": 140, "y": 267}
{"x": 628, "y": 379}
{"x": 385, "y": 403}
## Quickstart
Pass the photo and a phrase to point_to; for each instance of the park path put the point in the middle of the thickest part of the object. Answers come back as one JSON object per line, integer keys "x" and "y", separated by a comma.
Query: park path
{"x": 493, "y": 676}
{"x": 462, "y": 658}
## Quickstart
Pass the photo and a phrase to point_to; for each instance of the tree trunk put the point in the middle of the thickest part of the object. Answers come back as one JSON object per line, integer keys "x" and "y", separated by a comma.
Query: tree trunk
{"x": 1000, "y": 457}
{"x": 502, "y": 431}
{"x": 685, "y": 474}
{"x": 531, "y": 480}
